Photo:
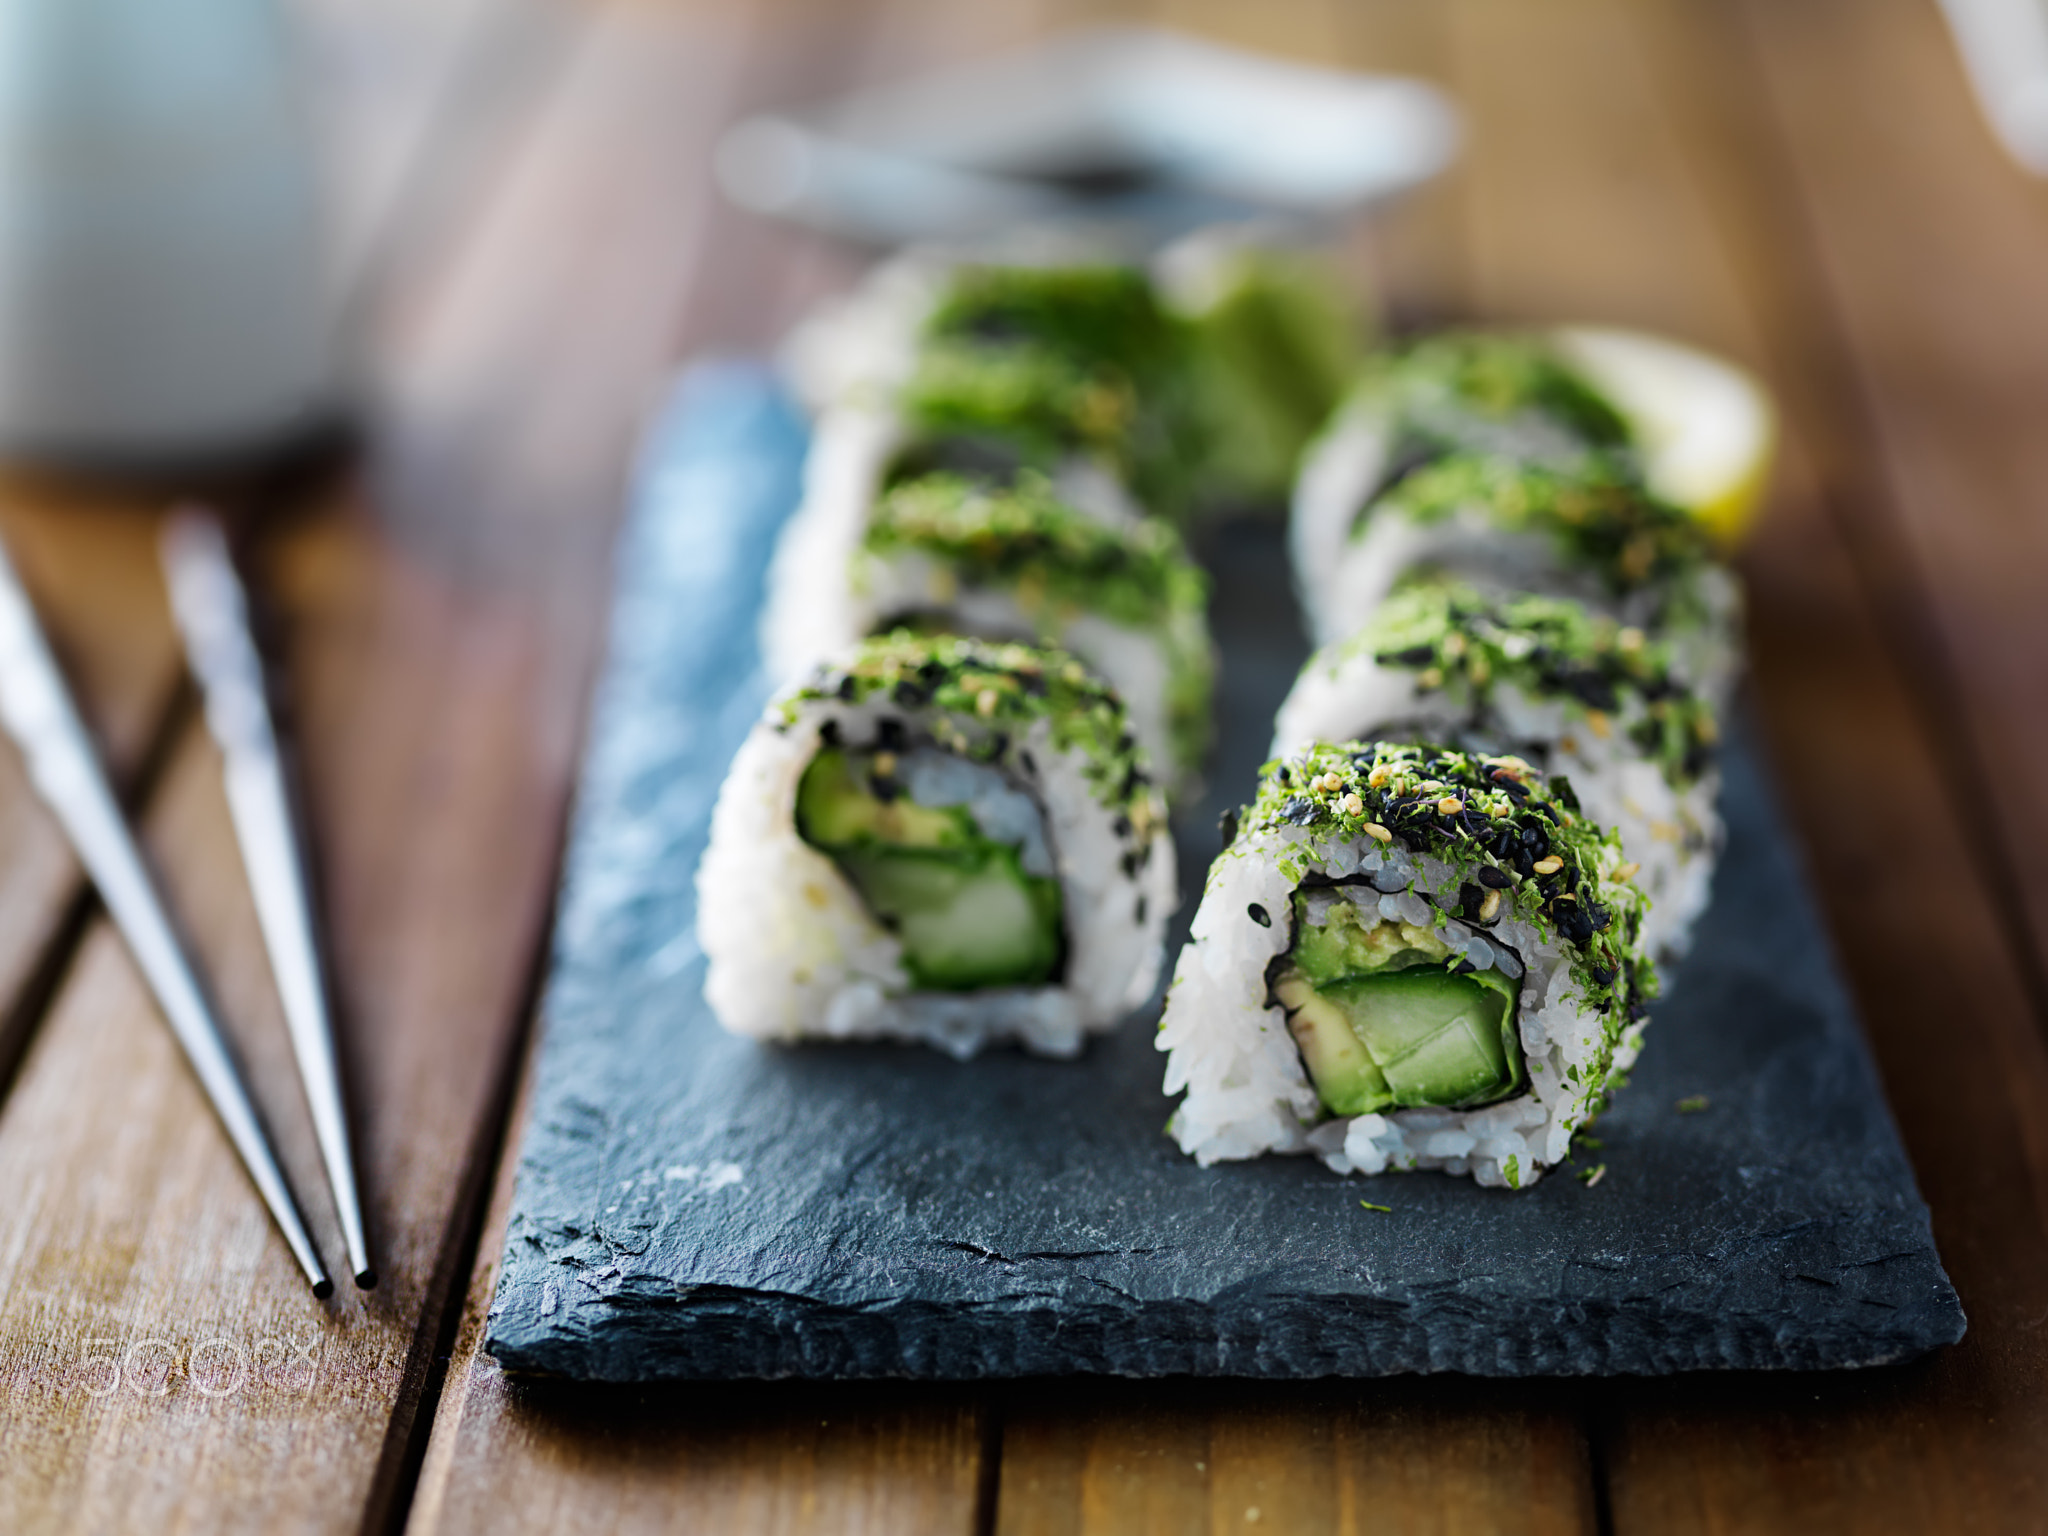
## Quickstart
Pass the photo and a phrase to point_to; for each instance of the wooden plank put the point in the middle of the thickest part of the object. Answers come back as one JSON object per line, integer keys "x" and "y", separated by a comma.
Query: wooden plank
{"x": 1424, "y": 1456}
{"x": 1958, "y": 1440}
{"x": 1406, "y": 1455}
{"x": 1885, "y": 1450}
{"x": 1926, "y": 243}
{"x": 439, "y": 640}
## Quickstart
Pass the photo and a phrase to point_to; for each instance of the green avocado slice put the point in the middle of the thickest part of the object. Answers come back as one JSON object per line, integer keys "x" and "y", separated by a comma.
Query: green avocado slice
{"x": 836, "y": 808}
{"x": 967, "y": 912}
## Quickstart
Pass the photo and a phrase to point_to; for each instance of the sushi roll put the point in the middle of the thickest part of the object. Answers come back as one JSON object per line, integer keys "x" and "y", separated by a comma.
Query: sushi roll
{"x": 986, "y": 481}
{"x": 1569, "y": 689}
{"x": 1559, "y": 463}
{"x": 937, "y": 839}
{"x": 945, "y": 553}
{"x": 1407, "y": 957}
{"x": 1072, "y": 368}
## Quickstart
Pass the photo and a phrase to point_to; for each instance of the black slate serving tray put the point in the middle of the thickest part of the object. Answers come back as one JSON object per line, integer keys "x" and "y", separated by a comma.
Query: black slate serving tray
{"x": 691, "y": 1205}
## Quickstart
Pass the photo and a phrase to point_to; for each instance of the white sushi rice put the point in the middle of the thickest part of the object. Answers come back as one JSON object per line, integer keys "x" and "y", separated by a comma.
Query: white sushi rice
{"x": 795, "y": 953}
{"x": 1673, "y": 832}
{"x": 1248, "y": 1091}
{"x": 1343, "y": 571}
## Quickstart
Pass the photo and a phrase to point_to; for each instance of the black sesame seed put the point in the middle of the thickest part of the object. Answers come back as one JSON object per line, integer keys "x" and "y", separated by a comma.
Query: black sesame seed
{"x": 1602, "y": 975}
{"x": 1494, "y": 879}
{"x": 1300, "y": 810}
{"x": 847, "y": 688}
{"x": 1259, "y": 915}
{"x": 1141, "y": 911}
{"x": 1463, "y": 968}
{"x": 889, "y": 735}
{"x": 1121, "y": 826}
{"x": 1030, "y": 763}
{"x": 828, "y": 733}
{"x": 1227, "y": 825}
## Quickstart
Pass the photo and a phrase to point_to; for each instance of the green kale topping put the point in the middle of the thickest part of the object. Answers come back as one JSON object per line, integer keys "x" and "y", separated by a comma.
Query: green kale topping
{"x": 1057, "y": 562}
{"x": 1456, "y": 639}
{"x": 1058, "y": 360}
{"x": 1498, "y": 424}
{"x": 986, "y": 695}
{"x": 1461, "y": 387}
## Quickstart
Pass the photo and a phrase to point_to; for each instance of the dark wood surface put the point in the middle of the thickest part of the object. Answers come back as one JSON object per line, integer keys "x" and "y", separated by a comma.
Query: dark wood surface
{"x": 531, "y": 238}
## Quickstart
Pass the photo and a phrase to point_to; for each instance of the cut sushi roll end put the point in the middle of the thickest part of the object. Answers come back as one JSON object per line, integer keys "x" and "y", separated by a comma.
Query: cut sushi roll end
{"x": 937, "y": 839}
{"x": 1408, "y": 957}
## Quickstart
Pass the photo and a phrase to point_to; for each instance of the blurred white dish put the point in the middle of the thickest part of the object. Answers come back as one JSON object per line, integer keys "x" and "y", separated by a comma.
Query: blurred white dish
{"x": 1126, "y": 125}
{"x": 162, "y": 293}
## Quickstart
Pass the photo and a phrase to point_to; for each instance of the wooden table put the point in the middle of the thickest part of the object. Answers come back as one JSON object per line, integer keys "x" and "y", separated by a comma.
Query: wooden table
{"x": 532, "y": 240}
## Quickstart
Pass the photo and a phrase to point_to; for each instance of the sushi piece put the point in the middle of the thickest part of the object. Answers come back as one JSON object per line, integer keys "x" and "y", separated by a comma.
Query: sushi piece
{"x": 945, "y": 553}
{"x": 1592, "y": 702}
{"x": 983, "y": 483}
{"x": 942, "y": 840}
{"x": 1407, "y": 957}
{"x": 1514, "y": 462}
{"x": 1072, "y": 368}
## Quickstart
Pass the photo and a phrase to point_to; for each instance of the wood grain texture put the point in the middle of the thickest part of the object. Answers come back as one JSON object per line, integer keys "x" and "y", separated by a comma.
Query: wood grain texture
{"x": 1928, "y": 244}
{"x": 1666, "y": 155}
{"x": 1421, "y": 1456}
{"x": 427, "y": 620}
{"x": 1844, "y": 675}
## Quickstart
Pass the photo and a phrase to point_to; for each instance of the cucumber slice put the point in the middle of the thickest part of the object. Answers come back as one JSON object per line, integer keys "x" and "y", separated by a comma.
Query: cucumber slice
{"x": 1441, "y": 1040}
{"x": 966, "y": 920}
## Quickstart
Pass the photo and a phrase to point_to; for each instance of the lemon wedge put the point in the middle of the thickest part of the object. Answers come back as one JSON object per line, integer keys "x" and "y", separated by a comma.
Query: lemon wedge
{"x": 1706, "y": 427}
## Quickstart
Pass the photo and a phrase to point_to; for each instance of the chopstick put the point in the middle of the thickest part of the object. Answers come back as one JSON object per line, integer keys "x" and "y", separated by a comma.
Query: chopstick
{"x": 212, "y": 612}
{"x": 37, "y": 710}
